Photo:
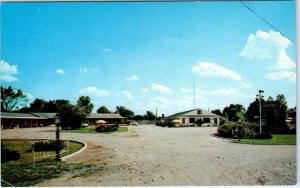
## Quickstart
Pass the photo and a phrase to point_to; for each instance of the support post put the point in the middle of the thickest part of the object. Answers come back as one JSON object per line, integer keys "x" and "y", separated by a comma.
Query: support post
{"x": 57, "y": 139}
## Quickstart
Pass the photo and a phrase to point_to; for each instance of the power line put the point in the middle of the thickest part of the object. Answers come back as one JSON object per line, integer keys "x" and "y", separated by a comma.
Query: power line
{"x": 266, "y": 21}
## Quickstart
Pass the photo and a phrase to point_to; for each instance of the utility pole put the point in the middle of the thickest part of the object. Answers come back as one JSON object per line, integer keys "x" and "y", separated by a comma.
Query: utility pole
{"x": 194, "y": 95}
{"x": 260, "y": 97}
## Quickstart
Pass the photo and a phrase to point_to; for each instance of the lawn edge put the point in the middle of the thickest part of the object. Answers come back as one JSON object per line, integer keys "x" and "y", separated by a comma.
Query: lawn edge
{"x": 75, "y": 153}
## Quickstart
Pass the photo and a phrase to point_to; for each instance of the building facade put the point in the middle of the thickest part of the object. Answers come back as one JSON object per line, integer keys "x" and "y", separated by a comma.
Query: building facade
{"x": 191, "y": 117}
{"x": 11, "y": 120}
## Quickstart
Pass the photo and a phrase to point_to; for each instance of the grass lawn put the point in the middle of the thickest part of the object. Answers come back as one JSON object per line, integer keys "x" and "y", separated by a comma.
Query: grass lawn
{"x": 22, "y": 172}
{"x": 93, "y": 130}
{"x": 277, "y": 139}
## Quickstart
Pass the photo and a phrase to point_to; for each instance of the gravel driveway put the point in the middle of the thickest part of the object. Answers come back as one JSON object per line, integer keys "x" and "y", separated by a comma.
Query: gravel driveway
{"x": 151, "y": 155}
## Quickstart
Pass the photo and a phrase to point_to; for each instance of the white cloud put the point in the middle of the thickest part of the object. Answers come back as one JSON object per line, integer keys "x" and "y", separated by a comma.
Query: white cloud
{"x": 223, "y": 92}
{"x": 246, "y": 96}
{"x": 213, "y": 70}
{"x": 127, "y": 94}
{"x": 159, "y": 102}
{"x": 60, "y": 71}
{"x": 145, "y": 90}
{"x": 93, "y": 91}
{"x": 84, "y": 69}
{"x": 246, "y": 85}
{"x": 6, "y": 72}
{"x": 29, "y": 95}
{"x": 160, "y": 88}
{"x": 270, "y": 47}
{"x": 107, "y": 50}
{"x": 280, "y": 75}
{"x": 132, "y": 78}
{"x": 184, "y": 90}
{"x": 8, "y": 78}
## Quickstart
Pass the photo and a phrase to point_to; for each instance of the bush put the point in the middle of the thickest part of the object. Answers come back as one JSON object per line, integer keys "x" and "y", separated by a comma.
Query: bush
{"x": 107, "y": 128}
{"x": 263, "y": 136}
{"x": 226, "y": 129}
{"x": 285, "y": 131}
{"x": 199, "y": 122}
{"x": 48, "y": 145}
{"x": 8, "y": 154}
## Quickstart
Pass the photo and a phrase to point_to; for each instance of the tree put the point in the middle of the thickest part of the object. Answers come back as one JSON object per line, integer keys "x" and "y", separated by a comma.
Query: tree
{"x": 274, "y": 113}
{"x": 291, "y": 112}
{"x": 84, "y": 102}
{"x": 12, "y": 99}
{"x": 199, "y": 122}
{"x": 217, "y": 111}
{"x": 103, "y": 109}
{"x": 124, "y": 111}
{"x": 234, "y": 112}
{"x": 149, "y": 115}
{"x": 281, "y": 112}
{"x": 138, "y": 117}
{"x": 70, "y": 115}
{"x": 37, "y": 105}
{"x": 253, "y": 111}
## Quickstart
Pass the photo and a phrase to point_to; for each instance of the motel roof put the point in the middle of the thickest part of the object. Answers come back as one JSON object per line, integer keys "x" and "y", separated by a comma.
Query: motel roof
{"x": 15, "y": 115}
{"x": 194, "y": 112}
{"x": 104, "y": 116}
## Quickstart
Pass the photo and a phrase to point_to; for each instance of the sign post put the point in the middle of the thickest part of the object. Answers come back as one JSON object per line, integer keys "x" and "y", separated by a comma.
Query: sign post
{"x": 57, "y": 122}
{"x": 260, "y": 97}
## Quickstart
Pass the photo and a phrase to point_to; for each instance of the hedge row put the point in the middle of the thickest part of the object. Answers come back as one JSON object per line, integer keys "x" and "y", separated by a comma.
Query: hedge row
{"x": 107, "y": 128}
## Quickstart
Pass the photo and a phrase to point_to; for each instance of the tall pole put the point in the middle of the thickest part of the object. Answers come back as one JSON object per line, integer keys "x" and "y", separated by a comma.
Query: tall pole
{"x": 194, "y": 95}
{"x": 259, "y": 113}
{"x": 57, "y": 139}
{"x": 260, "y": 104}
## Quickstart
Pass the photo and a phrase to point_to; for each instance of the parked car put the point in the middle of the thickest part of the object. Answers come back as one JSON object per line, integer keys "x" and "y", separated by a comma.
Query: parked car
{"x": 84, "y": 124}
{"x": 208, "y": 125}
{"x": 134, "y": 123}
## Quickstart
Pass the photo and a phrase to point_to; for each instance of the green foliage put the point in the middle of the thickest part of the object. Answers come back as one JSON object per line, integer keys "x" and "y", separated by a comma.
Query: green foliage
{"x": 234, "y": 112}
{"x": 22, "y": 175}
{"x": 218, "y": 112}
{"x": 8, "y": 154}
{"x": 70, "y": 115}
{"x": 138, "y": 117}
{"x": 263, "y": 136}
{"x": 107, "y": 128}
{"x": 223, "y": 120}
{"x": 48, "y": 145}
{"x": 275, "y": 140}
{"x": 225, "y": 130}
{"x": 12, "y": 99}
{"x": 103, "y": 109}
{"x": 275, "y": 116}
{"x": 245, "y": 130}
{"x": 85, "y": 105}
{"x": 199, "y": 122}
{"x": 149, "y": 115}
{"x": 124, "y": 111}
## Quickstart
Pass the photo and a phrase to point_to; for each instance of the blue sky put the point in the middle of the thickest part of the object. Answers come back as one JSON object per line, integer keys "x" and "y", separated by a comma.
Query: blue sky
{"x": 148, "y": 55}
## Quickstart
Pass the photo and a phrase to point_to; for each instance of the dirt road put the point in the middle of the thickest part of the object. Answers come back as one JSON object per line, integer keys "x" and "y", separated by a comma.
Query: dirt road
{"x": 151, "y": 155}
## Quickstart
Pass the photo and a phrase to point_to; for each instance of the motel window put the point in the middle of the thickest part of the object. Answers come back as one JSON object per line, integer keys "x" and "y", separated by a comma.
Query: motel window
{"x": 192, "y": 120}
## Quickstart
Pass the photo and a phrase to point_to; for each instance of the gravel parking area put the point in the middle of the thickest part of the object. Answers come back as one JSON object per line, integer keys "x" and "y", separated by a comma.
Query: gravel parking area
{"x": 151, "y": 155}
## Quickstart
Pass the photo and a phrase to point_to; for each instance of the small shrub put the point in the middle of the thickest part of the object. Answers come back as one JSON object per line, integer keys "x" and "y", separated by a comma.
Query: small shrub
{"x": 199, "y": 122}
{"x": 48, "y": 145}
{"x": 8, "y": 154}
{"x": 263, "y": 136}
{"x": 169, "y": 124}
{"x": 107, "y": 128}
